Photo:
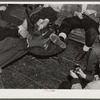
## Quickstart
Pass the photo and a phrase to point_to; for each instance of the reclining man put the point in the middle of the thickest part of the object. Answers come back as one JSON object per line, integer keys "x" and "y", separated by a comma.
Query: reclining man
{"x": 11, "y": 44}
{"x": 86, "y": 19}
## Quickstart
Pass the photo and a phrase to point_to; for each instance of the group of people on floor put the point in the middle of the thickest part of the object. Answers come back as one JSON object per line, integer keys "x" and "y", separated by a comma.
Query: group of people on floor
{"x": 85, "y": 16}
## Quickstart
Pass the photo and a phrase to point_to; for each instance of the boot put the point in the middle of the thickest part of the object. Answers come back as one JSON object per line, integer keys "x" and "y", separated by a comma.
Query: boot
{"x": 56, "y": 40}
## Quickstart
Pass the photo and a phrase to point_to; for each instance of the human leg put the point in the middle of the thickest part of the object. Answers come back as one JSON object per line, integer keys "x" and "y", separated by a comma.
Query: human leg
{"x": 66, "y": 27}
{"x": 22, "y": 30}
{"x": 9, "y": 47}
{"x": 90, "y": 36}
{"x": 46, "y": 15}
{"x": 91, "y": 31}
{"x": 5, "y": 32}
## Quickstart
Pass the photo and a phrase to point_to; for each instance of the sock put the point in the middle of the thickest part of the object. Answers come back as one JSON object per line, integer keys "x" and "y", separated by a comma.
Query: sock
{"x": 20, "y": 28}
{"x": 40, "y": 21}
{"x": 86, "y": 48}
{"x": 63, "y": 35}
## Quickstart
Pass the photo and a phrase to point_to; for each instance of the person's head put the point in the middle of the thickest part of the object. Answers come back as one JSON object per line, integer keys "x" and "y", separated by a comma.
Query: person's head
{"x": 96, "y": 77}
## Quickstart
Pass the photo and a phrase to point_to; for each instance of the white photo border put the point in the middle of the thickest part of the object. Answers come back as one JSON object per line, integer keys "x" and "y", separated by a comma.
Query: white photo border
{"x": 43, "y": 93}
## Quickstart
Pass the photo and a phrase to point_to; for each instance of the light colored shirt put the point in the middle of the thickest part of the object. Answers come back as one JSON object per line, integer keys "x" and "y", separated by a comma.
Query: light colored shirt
{"x": 91, "y": 85}
{"x": 56, "y": 7}
{"x": 84, "y": 7}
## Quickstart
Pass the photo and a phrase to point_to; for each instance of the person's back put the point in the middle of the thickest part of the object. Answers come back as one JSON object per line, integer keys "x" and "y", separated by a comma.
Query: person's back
{"x": 93, "y": 85}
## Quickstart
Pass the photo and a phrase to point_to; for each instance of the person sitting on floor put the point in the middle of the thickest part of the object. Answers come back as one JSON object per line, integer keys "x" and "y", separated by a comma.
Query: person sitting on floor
{"x": 76, "y": 84}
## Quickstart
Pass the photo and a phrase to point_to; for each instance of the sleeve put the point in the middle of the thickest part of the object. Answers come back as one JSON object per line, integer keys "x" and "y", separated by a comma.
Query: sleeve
{"x": 89, "y": 77}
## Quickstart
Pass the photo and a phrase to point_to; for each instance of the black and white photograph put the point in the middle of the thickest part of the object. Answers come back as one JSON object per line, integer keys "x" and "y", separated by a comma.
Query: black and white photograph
{"x": 50, "y": 46}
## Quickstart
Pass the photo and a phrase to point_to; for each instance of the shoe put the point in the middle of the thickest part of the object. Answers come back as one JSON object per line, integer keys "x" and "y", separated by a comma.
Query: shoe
{"x": 80, "y": 56}
{"x": 38, "y": 42}
{"x": 56, "y": 40}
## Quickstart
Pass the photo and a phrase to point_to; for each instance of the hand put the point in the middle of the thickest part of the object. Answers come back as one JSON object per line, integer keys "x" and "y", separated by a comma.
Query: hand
{"x": 76, "y": 13}
{"x": 89, "y": 12}
{"x": 73, "y": 74}
{"x": 3, "y": 8}
{"x": 40, "y": 27}
{"x": 81, "y": 73}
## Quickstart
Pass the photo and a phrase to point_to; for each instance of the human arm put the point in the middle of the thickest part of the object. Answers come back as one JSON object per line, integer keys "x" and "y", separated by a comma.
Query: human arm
{"x": 83, "y": 75}
{"x": 89, "y": 12}
{"x": 78, "y": 14}
{"x": 75, "y": 81}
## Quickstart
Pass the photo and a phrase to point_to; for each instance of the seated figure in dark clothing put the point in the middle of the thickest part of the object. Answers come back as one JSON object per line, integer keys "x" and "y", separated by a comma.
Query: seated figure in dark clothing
{"x": 93, "y": 81}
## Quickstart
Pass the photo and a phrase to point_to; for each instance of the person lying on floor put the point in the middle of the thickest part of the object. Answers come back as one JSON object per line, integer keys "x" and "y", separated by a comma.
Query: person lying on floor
{"x": 87, "y": 19}
{"x": 48, "y": 14}
{"x": 76, "y": 83}
{"x": 11, "y": 45}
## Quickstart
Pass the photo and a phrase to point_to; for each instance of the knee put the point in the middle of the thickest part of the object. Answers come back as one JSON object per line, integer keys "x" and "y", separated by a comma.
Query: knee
{"x": 65, "y": 24}
{"x": 92, "y": 31}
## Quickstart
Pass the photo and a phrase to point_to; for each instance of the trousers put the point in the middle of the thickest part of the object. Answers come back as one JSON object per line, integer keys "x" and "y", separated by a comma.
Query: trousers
{"x": 11, "y": 47}
{"x": 88, "y": 24}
